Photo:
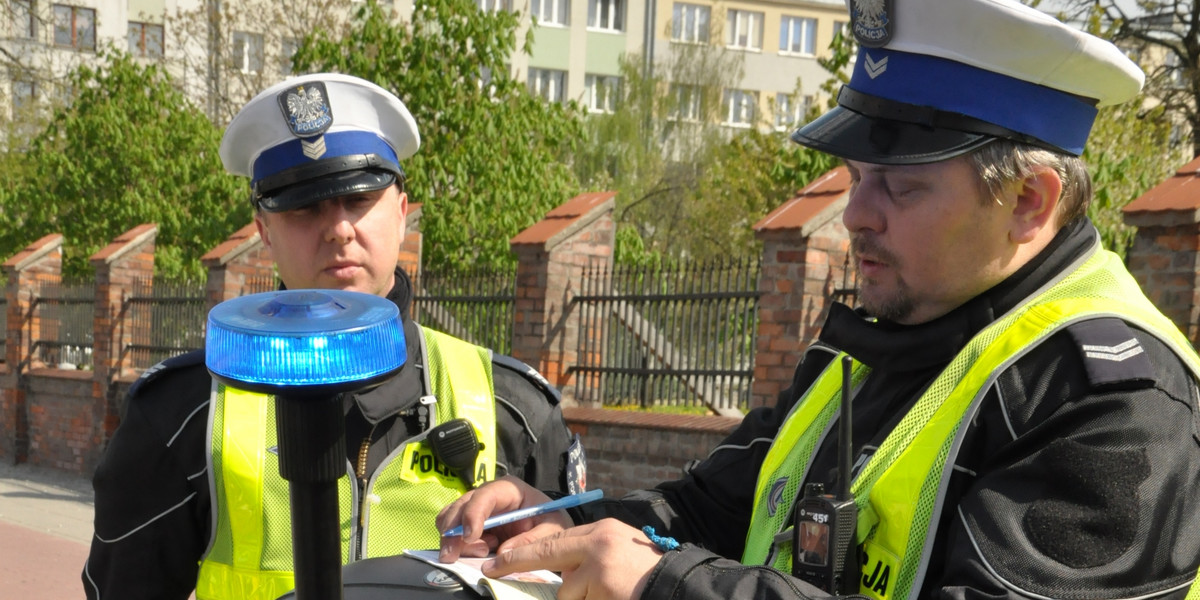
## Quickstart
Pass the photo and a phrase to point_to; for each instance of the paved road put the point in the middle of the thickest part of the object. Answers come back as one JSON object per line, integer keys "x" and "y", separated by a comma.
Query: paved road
{"x": 45, "y": 529}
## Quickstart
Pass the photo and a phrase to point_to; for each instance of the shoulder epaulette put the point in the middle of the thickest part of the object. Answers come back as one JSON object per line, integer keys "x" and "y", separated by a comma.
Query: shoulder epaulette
{"x": 1112, "y": 354}
{"x": 190, "y": 359}
{"x": 529, "y": 373}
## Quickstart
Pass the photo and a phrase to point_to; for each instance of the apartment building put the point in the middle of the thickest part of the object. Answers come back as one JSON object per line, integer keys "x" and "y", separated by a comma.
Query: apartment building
{"x": 577, "y": 51}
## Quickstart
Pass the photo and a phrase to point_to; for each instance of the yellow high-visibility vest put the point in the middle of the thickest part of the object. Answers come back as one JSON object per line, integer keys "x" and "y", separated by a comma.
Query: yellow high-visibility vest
{"x": 250, "y": 555}
{"x": 900, "y": 489}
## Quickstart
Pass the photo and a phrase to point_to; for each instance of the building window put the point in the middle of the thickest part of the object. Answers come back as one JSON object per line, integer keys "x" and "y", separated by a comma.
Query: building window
{"x": 247, "y": 51}
{"x": 843, "y": 28}
{"x": 745, "y": 29}
{"x": 601, "y": 93}
{"x": 551, "y": 12}
{"x": 798, "y": 35}
{"x": 788, "y": 113}
{"x": 685, "y": 102}
{"x": 606, "y": 15}
{"x": 740, "y": 107}
{"x": 24, "y": 24}
{"x": 24, "y": 95}
{"x": 690, "y": 23}
{"x": 548, "y": 84}
{"x": 145, "y": 39}
{"x": 74, "y": 27}
{"x": 287, "y": 49}
{"x": 494, "y": 5}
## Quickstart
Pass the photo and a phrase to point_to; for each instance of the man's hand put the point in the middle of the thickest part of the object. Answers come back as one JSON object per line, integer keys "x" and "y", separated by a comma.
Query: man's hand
{"x": 599, "y": 561}
{"x": 493, "y": 498}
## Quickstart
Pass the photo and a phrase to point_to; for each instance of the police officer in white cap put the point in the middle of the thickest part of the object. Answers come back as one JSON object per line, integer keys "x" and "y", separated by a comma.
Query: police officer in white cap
{"x": 1024, "y": 421}
{"x": 175, "y": 514}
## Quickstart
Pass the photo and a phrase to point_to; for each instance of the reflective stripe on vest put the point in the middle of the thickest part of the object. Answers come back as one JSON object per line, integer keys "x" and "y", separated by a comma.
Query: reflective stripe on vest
{"x": 250, "y": 553}
{"x": 899, "y": 492}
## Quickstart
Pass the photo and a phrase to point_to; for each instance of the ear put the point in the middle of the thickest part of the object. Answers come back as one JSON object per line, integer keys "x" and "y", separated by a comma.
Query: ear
{"x": 263, "y": 232}
{"x": 403, "y": 206}
{"x": 1035, "y": 211}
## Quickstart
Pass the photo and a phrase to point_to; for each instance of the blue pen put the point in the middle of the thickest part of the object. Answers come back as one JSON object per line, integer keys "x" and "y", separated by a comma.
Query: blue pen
{"x": 533, "y": 511}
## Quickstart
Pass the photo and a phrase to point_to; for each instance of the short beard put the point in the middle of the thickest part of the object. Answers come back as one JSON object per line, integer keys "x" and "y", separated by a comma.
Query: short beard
{"x": 894, "y": 307}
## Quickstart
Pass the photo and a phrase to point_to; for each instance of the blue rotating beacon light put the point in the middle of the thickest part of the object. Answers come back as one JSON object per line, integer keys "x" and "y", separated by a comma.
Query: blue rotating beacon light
{"x": 307, "y": 347}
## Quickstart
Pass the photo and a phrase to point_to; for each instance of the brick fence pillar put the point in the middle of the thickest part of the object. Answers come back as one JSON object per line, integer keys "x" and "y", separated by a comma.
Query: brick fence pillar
{"x": 125, "y": 264}
{"x": 38, "y": 263}
{"x": 235, "y": 264}
{"x": 551, "y": 257}
{"x": 804, "y": 263}
{"x": 1164, "y": 256}
{"x": 410, "y": 248}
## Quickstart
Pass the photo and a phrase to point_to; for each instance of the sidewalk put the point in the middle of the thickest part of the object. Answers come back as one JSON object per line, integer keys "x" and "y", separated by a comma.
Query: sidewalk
{"x": 45, "y": 531}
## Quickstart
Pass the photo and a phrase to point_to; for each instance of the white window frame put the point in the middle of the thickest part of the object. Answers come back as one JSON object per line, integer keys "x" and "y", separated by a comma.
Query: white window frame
{"x": 494, "y": 5}
{"x": 798, "y": 36}
{"x": 548, "y": 84}
{"x": 606, "y": 15}
{"x": 745, "y": 29}
{"x": 80, "y": 26}
{"x": 691, "y": 23}
{"x": 287, "y": 49}
{"x": 24, "y": 23}
{"x": 739, "y": 108}
{"x": 552, "y": 12}
{"x": 141, "y": 35}
{"x": 246, "y": 53}
{"x": 601, "y": 92}
{"x": 843, "y": 27}
{"x": 788, "y": 113}
{"x": 687, "y": 104}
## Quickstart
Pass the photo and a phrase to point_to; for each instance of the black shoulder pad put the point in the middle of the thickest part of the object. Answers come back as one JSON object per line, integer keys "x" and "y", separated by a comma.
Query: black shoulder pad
{"x": 190, "y": 359}
{"x": 529, "y": 373}
{"x": 1112, "y": 354}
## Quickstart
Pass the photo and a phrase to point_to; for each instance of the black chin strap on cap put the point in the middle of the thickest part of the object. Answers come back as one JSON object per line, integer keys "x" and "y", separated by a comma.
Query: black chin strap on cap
{"x": 312, "y": 182}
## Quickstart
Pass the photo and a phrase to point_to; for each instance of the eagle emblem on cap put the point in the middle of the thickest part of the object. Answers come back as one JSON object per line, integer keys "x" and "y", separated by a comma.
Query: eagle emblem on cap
{"x": 306, "y": 109}
{"x": 871, "y": 21}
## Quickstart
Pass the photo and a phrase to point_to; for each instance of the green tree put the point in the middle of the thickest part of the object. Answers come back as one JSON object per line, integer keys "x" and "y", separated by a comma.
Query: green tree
{"x": 1165, "y": 36}
{"x": 127, "y": 150}
{"x": 1129, "y": 152}
{"x": 493, "y": 158}
{"x": 688, "y": 185}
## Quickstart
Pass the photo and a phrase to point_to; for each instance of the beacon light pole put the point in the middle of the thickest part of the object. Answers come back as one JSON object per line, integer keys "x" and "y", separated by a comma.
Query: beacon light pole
{"x": 307, "y": 347}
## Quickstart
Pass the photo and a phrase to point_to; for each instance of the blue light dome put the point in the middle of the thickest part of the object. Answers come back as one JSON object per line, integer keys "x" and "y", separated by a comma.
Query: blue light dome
{"x": 295, "y": 339}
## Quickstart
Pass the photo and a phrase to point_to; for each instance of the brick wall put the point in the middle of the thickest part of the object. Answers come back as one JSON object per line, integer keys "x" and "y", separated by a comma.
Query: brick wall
{"x": 628, "y": 450}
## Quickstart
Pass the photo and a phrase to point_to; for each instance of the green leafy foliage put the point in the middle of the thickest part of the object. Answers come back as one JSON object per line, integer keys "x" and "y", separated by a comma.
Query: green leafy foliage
{"x": 127, "y": 150}
{"x": 493, "y": 158}
{"x": 1128, "y": 153}
{"x": 689, "y": 186}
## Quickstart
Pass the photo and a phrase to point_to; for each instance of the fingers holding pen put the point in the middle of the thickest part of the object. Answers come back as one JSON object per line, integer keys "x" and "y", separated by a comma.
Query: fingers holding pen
{"x": 599, "y": 561}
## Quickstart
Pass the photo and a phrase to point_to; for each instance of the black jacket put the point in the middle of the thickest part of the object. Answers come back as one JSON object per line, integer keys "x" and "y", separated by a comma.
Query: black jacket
{"x": 153, "y": 509}
{"x": 1079, "y": 478}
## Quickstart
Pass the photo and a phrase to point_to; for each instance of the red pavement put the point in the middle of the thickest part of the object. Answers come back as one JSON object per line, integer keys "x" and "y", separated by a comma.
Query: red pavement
{"x": 39, "y": 566}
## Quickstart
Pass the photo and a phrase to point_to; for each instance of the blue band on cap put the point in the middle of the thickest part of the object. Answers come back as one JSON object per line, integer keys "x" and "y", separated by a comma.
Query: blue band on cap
{"x": 339, "y": 143}
{"x": 1055, "y": 117}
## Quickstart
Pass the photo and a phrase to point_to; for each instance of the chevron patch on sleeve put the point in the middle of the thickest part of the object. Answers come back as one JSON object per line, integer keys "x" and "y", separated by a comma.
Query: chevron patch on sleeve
{"x": 1112, "y": 355}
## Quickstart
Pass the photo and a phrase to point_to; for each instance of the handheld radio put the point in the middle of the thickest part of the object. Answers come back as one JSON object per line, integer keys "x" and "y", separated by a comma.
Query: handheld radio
{"x": 823, "y": 535}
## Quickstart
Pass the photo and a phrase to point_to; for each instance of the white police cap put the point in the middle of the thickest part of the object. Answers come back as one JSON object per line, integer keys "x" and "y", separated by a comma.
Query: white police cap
{"x": 319, "y": 136}
{"x": 938, "y": 78}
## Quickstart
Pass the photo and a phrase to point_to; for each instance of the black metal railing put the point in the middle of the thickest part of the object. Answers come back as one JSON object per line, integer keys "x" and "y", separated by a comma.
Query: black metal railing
{"x": 166, "y": 318}
{"x": 668, "y": 335}
{"x": 63, "y": 315}
{"x": 475, "y": 305}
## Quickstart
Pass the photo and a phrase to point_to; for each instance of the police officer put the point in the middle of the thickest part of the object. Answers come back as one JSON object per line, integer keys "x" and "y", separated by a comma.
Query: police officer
{"x": 1025, "y": 422}
{"x": 177, "y": 509}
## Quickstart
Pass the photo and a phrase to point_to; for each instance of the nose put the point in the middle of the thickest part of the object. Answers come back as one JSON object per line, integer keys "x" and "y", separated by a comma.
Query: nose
{"x": 339, "y": 227}
{"x": 862, "y": 210}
